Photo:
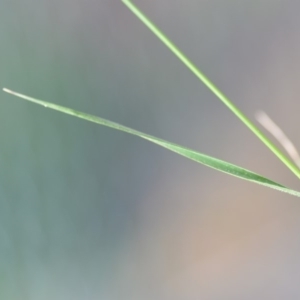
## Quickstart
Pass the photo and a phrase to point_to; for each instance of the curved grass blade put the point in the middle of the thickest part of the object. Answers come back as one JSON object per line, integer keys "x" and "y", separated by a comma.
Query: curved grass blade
{"x": 191, "y": 154}
{"x": 191, "y": 66}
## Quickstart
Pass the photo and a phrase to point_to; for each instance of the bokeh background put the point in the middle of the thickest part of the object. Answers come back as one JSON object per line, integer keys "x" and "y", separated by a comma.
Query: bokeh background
{"x": 90, "y": 213}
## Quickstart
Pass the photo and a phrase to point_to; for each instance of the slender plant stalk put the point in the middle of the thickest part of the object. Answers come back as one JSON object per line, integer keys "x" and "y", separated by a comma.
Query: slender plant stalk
{"x": 279, "y": 135}
{"x": 188, "y": 153}
{"x": 212, "y": 87}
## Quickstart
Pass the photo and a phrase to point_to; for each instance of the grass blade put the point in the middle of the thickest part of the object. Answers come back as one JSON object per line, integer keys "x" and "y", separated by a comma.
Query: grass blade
{"x": 188, "y": 153}
{"x": 187, "y": 62}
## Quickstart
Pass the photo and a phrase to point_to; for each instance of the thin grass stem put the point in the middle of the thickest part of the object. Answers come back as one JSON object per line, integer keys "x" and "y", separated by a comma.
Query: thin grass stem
{"x": 191, "y": 66}
{"x": 279, "y": 135}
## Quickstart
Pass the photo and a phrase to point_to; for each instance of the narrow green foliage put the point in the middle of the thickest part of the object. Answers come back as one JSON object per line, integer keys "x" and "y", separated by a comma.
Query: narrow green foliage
{"x": 212, "y": 87}
{"x": 191, "y": 154}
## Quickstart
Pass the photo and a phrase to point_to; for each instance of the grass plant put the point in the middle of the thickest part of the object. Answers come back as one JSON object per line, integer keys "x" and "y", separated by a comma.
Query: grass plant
{"x": 188, "y": 153}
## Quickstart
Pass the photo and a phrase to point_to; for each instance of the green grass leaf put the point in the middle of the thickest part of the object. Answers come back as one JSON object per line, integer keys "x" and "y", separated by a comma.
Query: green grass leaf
{"x": 213, "y": 88}
{"x": 188, "y": 153}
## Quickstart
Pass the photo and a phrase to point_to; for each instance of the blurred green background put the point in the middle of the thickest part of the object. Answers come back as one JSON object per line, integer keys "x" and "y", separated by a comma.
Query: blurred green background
{"x": 90, "y": 213}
